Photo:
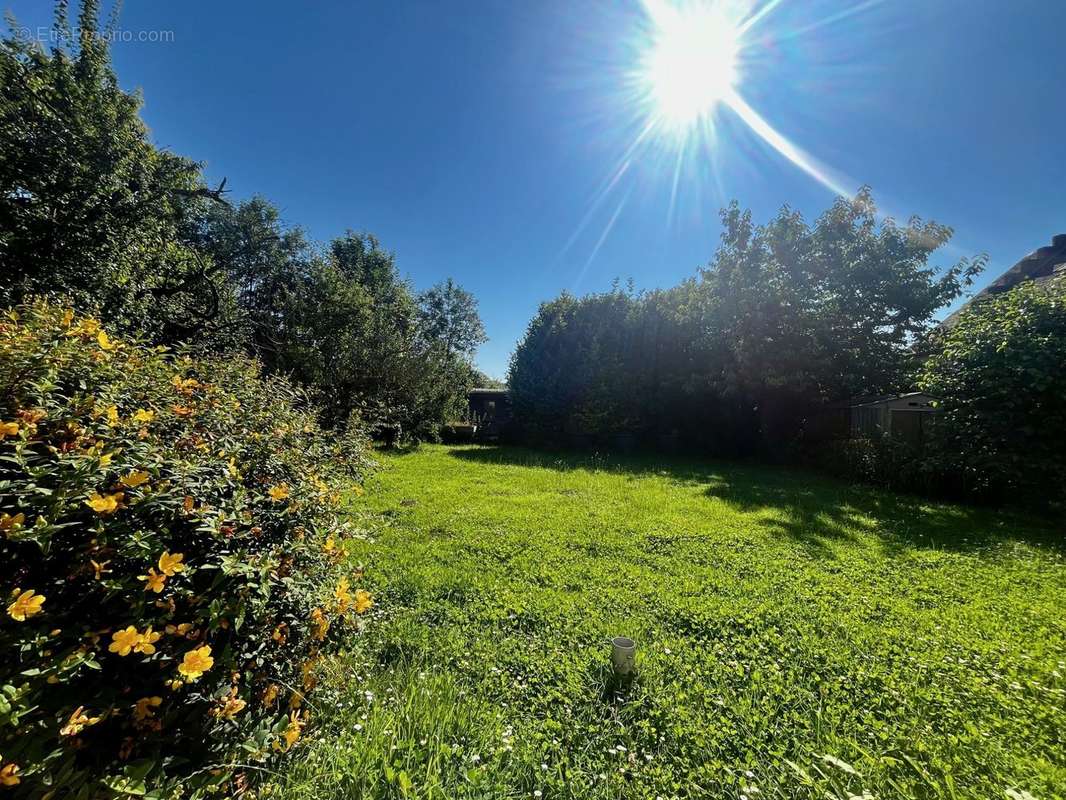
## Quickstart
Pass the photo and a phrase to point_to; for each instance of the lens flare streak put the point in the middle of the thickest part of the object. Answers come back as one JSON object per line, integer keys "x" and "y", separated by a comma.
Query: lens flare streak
{"x": 688, "y": 69}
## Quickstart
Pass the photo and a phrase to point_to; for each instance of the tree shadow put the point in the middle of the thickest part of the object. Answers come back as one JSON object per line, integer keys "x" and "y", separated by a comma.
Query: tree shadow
{"x": 809, "y": 508}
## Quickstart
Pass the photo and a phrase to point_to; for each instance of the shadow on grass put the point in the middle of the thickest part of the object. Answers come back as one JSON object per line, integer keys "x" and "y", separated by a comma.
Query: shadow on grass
{"x": 810, "y": 508}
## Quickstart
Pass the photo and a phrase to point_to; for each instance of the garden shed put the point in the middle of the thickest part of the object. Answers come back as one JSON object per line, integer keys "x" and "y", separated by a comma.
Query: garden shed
{"x": 489, "y": 410}
{"x": 906, "y": 416}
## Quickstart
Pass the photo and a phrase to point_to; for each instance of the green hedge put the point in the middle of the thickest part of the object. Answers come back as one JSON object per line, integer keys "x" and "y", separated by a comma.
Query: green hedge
{"x": 172, "y": 562}
{"x": 1000, "y": 374}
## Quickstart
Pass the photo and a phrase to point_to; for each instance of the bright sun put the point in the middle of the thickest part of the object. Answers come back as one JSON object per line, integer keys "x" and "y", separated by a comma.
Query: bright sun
{"x": 690, "y": 64}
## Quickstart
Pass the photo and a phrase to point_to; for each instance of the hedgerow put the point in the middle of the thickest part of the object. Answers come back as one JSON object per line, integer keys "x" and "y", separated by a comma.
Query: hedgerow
{"x": 172, "y": 562}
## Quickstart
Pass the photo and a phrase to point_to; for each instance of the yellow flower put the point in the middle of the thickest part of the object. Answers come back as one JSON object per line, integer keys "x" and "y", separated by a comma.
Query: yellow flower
{"x": 105, "y": 503}
{"x": 143, "y": 709}
{"x": 342, "y": 595}
{"x": 279, "y": 492}
{"x": 68, "y": 317}
{"x": 153, "y": 581}
{"x": 10, "y": 523}
{"x": 8, "y": 429}
{"x": 88, "y": 327}
{"x": 184, "y": 385}
{"x": 78, "y": 720}
{"x": 307, "y": 670}
{"x": 229, "y": 706}
{"x": 320, "y": 623}
{"x": 112, "y": 415}
{"x": 143, "y": 416}
{"x": 196, "y": 663}
{"x": 105, "y": 460}
{"x": 122, "y": 642}
{"x": 9, "y": 775}
{"x": 26, "y": 604}
{"x": 104, "y": 341}
{"x": 270, "y": 695}
{"x": 292, "y": 731}
{"x": 99, "y": 568}
{"x": 169, "y": 563}
{"x": 280, "y": 633}
{"x": 135, "y": 478}
{"x": 363, "y": 601}
{"x": 146, "y": 644}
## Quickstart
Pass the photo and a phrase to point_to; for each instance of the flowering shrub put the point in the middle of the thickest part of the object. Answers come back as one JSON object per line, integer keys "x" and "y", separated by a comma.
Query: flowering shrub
{"x": 171, "y": 556}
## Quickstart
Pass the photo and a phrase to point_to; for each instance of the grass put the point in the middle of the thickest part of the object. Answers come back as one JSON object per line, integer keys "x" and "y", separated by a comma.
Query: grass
{"x": 798, "y": 638}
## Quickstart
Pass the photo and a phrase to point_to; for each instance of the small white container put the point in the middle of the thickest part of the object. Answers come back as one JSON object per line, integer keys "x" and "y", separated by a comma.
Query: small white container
{"x": 623, "y": 655}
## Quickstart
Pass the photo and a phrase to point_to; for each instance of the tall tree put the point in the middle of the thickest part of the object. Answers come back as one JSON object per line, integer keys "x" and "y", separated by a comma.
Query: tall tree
{"x": 448, "y": 314}
{"x": 89, "y": 208}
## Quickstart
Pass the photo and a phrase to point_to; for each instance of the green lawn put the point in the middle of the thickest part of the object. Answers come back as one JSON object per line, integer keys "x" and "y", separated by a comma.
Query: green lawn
{"x": 798, "y": 638}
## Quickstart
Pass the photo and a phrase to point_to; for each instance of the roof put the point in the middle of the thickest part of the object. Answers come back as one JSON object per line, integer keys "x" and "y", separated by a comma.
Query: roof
{"x": 489, "y": 391}
{"x": 873, "y": 401}
{"x": 1039, "y": 265}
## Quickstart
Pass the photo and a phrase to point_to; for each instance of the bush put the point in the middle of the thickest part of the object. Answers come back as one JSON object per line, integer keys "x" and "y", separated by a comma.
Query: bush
{"x": 999, "y": 375}
{"x": 172, "y": 555}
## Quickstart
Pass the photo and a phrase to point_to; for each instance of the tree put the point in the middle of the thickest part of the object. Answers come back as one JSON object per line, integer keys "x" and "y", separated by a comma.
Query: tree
{"x": 348, "y": 326}
{"x": 89, "y": 208}
{"x": 998, "y": 373}
{"x": 448, "y": 314}
{"x": 787, "y": 317}
{"x": 825, "y": 312}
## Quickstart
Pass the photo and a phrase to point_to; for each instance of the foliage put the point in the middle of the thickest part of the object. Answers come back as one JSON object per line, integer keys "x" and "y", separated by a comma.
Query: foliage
{"x": 89, "y": 208}
{"x": 349, "y": 328}
{"x": 998, "y": 372}
{"x": 448, "y": 314}
{"x": 91, "y": 211}
{"x": 787, "y": 317}
{"x": 171, "y": 542}
{"x": 796, "y": 636}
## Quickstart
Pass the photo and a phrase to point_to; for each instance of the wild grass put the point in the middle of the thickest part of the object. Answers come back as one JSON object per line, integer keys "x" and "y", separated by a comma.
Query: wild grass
{"x": 798, "y": 638}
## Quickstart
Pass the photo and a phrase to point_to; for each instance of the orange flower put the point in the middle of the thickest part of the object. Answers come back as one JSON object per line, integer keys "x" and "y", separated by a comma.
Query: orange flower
{"x": 78, "y": 720}
{"x": 10, "y": 523}
{"x": 105, "y": 504}
{"x": 144, "y": 708}
{"x": 99, "y": 568}
{"x": 196, "y": 663}
{"x": 123, "y": 642}
{"x": 135, "y": 478}
{"x": 320, "y": 623}
{"x": 153, "y": 581}
{"x": 143, "y": 416}
{"x": 146, "y": 644}
{"x": 363, "y": 601}
{"x": 270, "y": 695}
{"x": 292, "y": 732}
{"x": 9, "y": 775}
{"x": 169, "y": 564}
{"x": 229, "y": 706}
{"x": 25, "y": 604}
{"x": 342, "y": 595}
{"x": 8, "y": 429}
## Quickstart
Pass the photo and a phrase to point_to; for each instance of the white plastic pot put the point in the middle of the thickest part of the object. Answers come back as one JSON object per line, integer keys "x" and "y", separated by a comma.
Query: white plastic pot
{"x": 623, "y": 655}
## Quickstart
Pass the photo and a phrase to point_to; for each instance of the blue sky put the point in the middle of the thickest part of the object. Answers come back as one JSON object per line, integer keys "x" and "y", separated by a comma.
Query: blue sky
{"x": 476, "y": 139}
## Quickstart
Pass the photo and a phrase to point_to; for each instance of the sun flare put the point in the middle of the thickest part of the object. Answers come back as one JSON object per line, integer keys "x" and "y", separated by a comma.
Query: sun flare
{"x": 690, "y": 64}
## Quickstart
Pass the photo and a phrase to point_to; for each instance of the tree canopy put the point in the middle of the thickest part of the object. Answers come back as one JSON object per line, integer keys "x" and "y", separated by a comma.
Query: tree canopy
{"x": 788, "y": 316}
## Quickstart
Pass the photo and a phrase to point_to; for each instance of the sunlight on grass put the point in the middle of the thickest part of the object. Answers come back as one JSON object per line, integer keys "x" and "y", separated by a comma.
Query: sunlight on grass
{"x": 798, "y": 638}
